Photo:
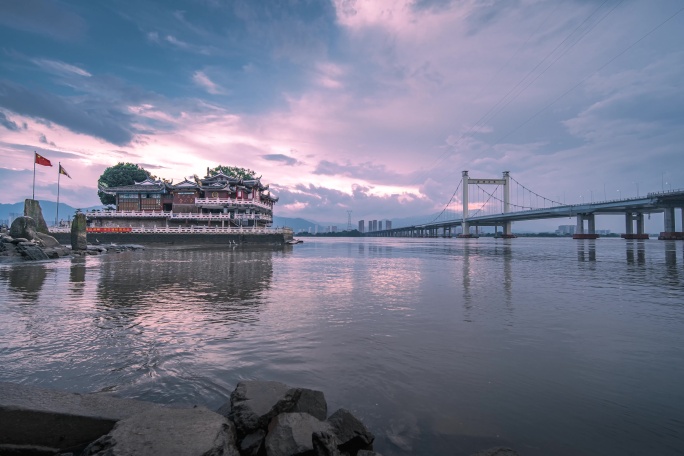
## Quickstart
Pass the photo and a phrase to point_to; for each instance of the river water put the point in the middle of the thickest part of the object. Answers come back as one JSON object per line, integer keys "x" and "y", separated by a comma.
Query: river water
{"x": 441, "y": 346}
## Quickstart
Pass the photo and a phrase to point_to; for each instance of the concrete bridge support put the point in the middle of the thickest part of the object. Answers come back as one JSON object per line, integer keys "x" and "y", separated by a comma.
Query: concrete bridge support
{"x": 591, "y": 227}
{"x": 670, "y": 226}
{"x": 630, "y": 217}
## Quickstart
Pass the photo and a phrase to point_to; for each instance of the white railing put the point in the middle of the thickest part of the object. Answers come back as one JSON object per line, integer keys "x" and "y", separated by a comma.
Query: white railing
{"x": 210, "y": 230}
{"x": 193, "y": 229}
{"x": 226, "y": 202}
{"x": 176, "y": 215}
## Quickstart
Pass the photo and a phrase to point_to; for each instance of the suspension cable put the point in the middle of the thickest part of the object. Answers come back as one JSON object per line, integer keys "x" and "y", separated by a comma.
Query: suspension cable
{"x": 450, "y": 200}
{"x": 535, "y": 193}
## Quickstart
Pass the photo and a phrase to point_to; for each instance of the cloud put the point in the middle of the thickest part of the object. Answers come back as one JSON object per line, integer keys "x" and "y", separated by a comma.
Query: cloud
{"x": 44, "y": 17}
{"x": 282, "y": 158}
{"x": 7, "y": 123}
{"x": 202, "y": 80}
{"x": 104, "y": 122}
{"x": 61, "y": 67}
{"x": 43, "y": 139}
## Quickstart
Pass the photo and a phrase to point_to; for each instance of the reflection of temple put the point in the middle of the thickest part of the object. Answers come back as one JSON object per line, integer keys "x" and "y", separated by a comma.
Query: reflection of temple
{"x": 218, "y": 200}
{"x": 226, "y": 279}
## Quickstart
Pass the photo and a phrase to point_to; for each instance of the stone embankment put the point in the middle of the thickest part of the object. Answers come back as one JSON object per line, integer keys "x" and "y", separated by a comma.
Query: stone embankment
{"x": 24, "y": 242}
{"x": 262, "y": 418}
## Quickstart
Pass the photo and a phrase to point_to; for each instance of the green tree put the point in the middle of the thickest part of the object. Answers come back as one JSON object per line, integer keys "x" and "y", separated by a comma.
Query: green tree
{"x": 233, "y": 171}
{"x": 118, "y": 175}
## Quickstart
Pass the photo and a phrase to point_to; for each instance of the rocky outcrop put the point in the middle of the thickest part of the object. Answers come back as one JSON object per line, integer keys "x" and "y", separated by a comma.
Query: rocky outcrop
{"x": 29, "y": 244}
{"x": 166, "y": 431}
{"x": 79, "y": 242}
{"x": 274, "y": 419}
{"x": 38, "y": 421}
{"x": 23, "y": 227}
{"x": 32, "y": 209}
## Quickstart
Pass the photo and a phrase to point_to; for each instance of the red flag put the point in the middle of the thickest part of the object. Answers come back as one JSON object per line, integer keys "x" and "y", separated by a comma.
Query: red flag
{"x": 40, "y": 160}
{"x": 63, "y": 171}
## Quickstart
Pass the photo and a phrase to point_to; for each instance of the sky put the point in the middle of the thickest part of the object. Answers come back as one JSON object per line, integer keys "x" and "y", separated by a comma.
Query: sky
{"x": 374, "y": 107}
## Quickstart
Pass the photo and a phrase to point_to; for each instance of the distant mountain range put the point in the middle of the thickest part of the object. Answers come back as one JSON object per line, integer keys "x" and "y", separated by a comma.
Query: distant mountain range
{"x": 11, "y": 211}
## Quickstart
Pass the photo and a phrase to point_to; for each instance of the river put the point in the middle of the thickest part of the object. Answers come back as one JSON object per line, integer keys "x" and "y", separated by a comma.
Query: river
{"x": 441, "y": 346}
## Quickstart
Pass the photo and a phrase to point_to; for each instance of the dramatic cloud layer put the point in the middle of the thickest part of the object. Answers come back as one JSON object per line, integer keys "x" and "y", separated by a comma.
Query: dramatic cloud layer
{"x": 374, "y": 107}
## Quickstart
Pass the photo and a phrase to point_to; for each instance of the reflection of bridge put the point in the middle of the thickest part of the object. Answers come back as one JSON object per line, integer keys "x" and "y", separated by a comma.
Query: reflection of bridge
{"x": 496, "y": 210}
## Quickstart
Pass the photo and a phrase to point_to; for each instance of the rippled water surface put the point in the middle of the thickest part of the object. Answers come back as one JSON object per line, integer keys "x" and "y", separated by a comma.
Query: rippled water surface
{"x": 441, "y": 346}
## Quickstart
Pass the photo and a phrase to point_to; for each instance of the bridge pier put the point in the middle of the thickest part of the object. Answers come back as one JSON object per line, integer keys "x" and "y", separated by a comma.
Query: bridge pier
{"x": 670, "y": 226}
{"x": 629, "y": 226}
{"x": 591, "y": 227}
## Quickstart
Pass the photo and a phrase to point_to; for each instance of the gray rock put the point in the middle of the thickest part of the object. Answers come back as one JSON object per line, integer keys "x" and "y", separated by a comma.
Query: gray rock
{"x": 47, "y": 241}
{"x": 252, "y": 443}
{"x": 325, "y": 444}
{"x": 253, "y": 404}
{"x": 23, "y": 227}
{"x": 32, "y": 416}
{"x": 32, "y": 209}
{"x": 19, "y": 240}
{"x": 31, "y": 251}
{"x": 171, "y": 432}
{"x": 367, "y": 453}
{"x": 291, "y": 434}
{"x": 311, "y": 402}
{"x": 79, "y": 240}
{"x": 497, "y": 451}
{"x": 350, "y": 431}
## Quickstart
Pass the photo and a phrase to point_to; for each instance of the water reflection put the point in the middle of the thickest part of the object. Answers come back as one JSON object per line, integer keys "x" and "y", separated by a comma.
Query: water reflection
{"x": 671, "y": 261}
{"x": 475, "y": 256}
{"x": 77, "y": 275}
{"x": 636, "y": 252}
{"x": 220, "y": 281}
{"x": 586, "y": 251}
{"x": 25, "y": 280}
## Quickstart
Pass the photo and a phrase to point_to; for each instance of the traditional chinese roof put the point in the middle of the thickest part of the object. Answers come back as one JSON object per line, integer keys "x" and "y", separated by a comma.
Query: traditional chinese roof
{"x": 215, "y": 186}
{"x": 251, "y": 183}
{"x": 185, "y": 185}
{"x": 147, "y": 186}
{"x": 220, "y": 177}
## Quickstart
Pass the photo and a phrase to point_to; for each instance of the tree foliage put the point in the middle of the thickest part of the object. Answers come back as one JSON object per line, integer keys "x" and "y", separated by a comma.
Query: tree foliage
{"x": 234, "y": 171}
{"x": 118, "y": 175}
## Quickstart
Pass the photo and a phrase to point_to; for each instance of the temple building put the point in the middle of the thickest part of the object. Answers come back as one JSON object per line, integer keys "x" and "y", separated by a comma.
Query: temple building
{"x": 215, "y": 201}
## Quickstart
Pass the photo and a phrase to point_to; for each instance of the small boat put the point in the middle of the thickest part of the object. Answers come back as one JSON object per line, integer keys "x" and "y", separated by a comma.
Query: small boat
{"x": 294, "y": 241}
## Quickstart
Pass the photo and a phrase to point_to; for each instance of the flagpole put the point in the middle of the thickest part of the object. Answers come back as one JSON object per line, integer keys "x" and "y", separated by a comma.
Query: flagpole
{"x": 34, "y": 176}
{"x": 59, "y": 172}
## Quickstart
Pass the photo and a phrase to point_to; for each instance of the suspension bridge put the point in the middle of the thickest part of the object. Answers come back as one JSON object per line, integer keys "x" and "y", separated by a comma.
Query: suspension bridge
{"x": 499, "y": 207}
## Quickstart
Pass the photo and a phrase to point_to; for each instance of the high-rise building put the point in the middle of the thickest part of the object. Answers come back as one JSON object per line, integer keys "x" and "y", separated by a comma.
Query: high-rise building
{"x": 388, "y": 224}
{"x": 380, "y": 225}
{"x": 362, "y": 228}
{"x": 373, "y": 225}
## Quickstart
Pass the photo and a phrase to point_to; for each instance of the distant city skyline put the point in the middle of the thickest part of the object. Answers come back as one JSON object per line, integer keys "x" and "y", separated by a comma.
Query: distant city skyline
{"x": 371, "y": 107}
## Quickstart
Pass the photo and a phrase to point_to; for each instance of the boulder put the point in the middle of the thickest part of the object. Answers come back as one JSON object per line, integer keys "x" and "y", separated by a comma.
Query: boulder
{"x": 182, "y": 432}
{"x": 47, "y": 241}
{"x": 253, "y": 404}
{"x": 325, "y": 444}
{"x": 32, "y": 209}
{"x": 367, "y": 453}
{"x": 31, "y": 251}
{"x": 23, "y": 227}
{"x": 252, "y": 443}
{"x": 350, "y": 431}
{"x": 292, "y": 434}
{"x": 78, "y": 232}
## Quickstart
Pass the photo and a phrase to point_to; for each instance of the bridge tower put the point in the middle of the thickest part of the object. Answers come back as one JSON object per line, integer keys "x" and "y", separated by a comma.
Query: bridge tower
{"x": 505, "y": 181}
